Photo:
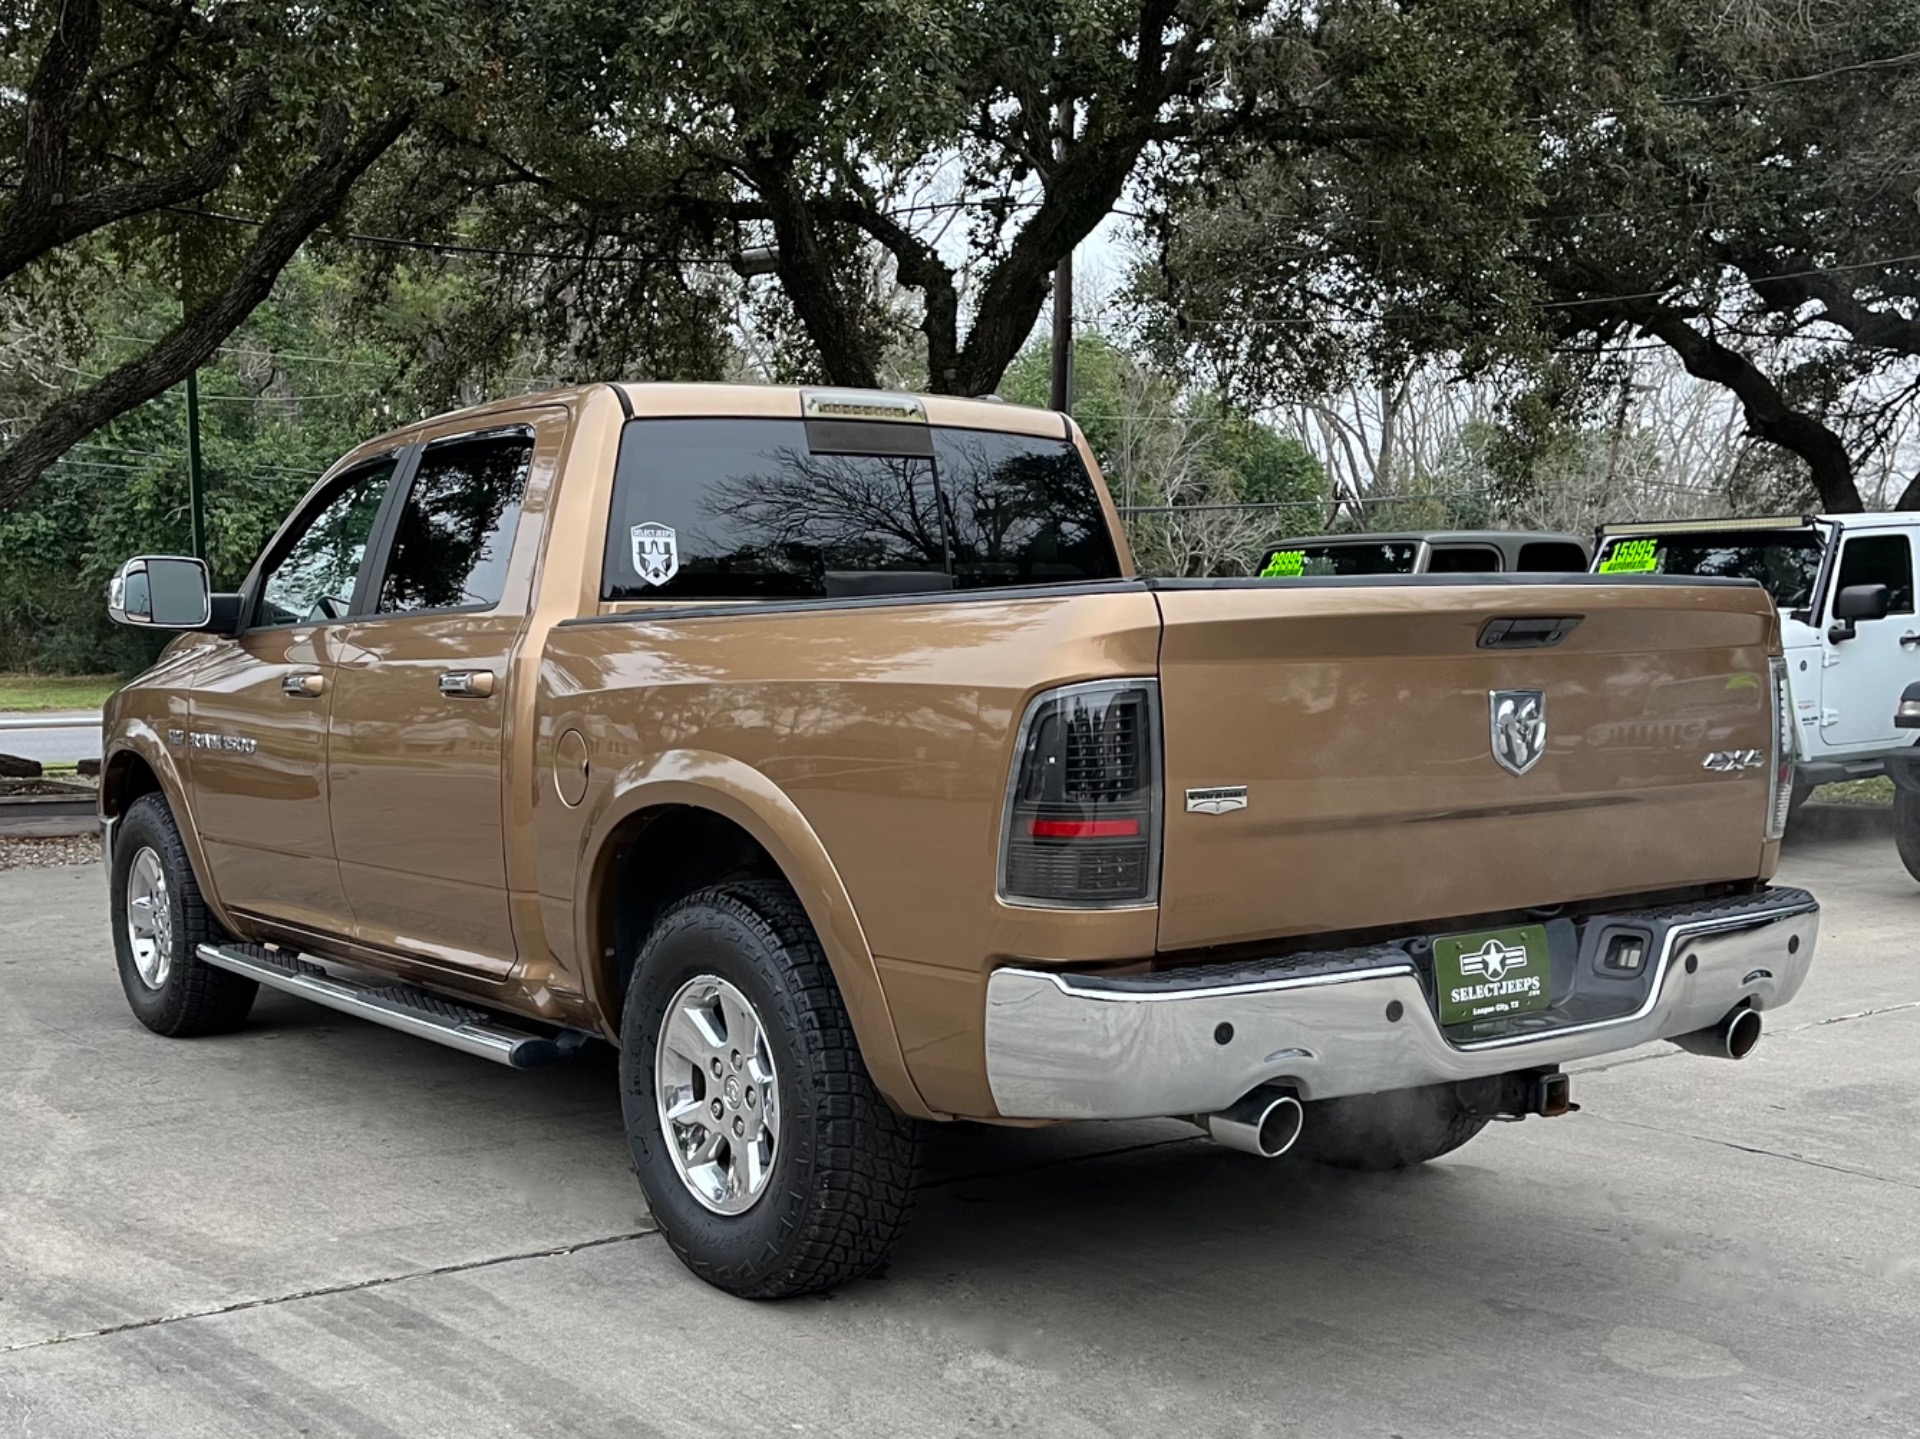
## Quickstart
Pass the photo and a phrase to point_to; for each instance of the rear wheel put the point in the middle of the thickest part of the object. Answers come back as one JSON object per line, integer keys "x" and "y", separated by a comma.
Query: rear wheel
{"x": 1387, "y": 1131}
{"x": 1906, "y": 828}
{"x": 771, "y": 1163}
{"x": 159, "y": 923}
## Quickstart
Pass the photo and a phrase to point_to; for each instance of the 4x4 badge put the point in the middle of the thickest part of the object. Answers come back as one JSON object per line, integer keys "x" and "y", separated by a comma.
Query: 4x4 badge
{"x": 656, "y": 552}
{"x": 1519, "y": 727}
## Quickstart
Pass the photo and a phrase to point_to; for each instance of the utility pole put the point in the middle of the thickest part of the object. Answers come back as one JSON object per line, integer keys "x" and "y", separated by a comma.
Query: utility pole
{"x": 1062, "y": 388}
{"x": 196, "y": 480}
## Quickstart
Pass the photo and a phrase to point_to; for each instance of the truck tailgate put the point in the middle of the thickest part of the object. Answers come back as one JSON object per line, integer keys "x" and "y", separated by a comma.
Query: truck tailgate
{"x": 1360, "y": 719}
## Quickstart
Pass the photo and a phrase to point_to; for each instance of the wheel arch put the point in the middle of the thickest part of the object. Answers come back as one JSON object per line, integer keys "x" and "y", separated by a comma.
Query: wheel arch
{"x": 136, "y": 764}
{"x": 679, "y": 821}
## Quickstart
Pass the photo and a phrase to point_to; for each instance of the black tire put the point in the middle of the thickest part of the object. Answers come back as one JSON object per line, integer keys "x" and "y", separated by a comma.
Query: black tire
{"x": 1375, "y": 1132}
{"x": 1906, "y": 828}
{"x": 844, "y": 1164}
{"x": 193, "y": 998}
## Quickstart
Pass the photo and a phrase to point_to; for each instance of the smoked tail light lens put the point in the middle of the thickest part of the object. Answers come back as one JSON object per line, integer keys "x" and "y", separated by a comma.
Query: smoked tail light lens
{"x": 1082, "y": 825}
{"x": 1780, "y": 798}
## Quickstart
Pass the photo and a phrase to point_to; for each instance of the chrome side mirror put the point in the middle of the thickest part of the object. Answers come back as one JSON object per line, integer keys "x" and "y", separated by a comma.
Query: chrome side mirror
{"x": 164, "y": 592}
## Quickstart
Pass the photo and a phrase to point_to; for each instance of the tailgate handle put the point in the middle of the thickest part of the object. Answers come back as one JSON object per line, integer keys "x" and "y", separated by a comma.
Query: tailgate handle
{"x": 1527, "y": 632}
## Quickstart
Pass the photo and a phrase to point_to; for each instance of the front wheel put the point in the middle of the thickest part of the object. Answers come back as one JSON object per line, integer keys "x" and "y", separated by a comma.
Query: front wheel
{"x": 159, "y": 923}
{"x": 1906, "y": 828}
{"x": 771, "y": 1163}
{"x": 1387, "y": 1131}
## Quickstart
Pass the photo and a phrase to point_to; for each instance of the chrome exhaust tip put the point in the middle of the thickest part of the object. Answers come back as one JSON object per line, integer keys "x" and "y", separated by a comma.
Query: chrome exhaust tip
{"x": 1265, "y": 1122}
{"x": 1734, "y": 1037}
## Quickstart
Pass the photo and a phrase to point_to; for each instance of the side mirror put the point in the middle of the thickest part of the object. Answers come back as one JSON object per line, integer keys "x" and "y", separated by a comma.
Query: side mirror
{"x": 1854, "y": 603}
{"x": 1861, "y": 602}
{"x": 165, "y": 592}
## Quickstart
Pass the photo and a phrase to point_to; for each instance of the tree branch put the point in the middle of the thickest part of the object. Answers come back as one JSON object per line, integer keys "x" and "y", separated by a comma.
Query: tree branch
{"x": 919, "y": 266}
{"x": 27, "y": 234}
{"x": 1769, "y": 416}
{"x": 1883, "y": 329}
{"x": 312, "y": 198}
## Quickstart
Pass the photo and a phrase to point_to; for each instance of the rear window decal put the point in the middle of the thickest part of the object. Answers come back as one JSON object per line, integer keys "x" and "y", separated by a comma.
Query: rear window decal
{"x": 1630, "y": 557}
{"x": 656, "y": 552}
{"x": 1285, "y": 564}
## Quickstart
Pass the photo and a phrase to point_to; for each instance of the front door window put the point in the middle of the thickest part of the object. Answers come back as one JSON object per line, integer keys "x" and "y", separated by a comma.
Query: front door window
{"x": 313, "y": 580}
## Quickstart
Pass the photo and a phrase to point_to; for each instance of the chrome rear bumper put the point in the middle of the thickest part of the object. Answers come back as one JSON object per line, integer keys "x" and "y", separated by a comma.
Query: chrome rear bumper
{"x": 1066, "y": 1046}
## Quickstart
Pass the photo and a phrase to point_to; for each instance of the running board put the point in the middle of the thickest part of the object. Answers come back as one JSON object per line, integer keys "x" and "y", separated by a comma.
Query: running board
{"x": 398, "y": 1006}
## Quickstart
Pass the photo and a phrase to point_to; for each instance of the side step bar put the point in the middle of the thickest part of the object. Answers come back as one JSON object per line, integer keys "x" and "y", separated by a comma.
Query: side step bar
{"x": 398, "y": 1006}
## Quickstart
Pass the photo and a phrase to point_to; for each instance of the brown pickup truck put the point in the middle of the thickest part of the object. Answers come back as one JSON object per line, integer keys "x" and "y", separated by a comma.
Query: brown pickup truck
{"x": 824, "y": 752}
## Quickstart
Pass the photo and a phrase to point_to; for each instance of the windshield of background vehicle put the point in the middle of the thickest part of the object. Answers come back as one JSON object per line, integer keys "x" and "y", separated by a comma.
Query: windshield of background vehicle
{"x": 1349, "y": 557}
{"x": 1787, "y": 562}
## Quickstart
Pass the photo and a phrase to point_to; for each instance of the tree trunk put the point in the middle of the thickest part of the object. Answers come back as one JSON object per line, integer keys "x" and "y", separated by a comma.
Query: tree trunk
{"x": 312, "y": 199}
{"x": 807, "y": 275}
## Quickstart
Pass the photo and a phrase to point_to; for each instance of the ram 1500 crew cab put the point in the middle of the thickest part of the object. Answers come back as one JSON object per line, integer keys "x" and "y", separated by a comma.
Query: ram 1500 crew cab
{"x": 824, "y": 752}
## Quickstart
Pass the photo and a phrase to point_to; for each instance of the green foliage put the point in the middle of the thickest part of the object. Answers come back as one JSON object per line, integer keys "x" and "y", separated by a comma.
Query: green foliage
{"x": 1594, "y": 178}
{"x": 1160, "y": 447}
{"x": 288, "y": 394}
{"x": 1113, "y": 395}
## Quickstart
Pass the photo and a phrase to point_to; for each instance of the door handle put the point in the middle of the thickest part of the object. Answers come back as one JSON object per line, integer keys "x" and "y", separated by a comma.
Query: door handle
{"x": 1909, "y": 640}
{"x": 304, "y": 687}
{"x": 467, "y": 684}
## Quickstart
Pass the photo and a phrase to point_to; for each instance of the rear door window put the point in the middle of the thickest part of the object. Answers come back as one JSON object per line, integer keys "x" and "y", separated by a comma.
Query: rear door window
{"x": 744, "y": 509}
{"x": 455, "y": 532}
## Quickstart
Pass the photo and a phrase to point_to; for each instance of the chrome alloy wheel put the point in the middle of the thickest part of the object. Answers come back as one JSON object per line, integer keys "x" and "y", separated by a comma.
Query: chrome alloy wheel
{"x": 714, "y": 1081}
{"x": 149, "y": 919}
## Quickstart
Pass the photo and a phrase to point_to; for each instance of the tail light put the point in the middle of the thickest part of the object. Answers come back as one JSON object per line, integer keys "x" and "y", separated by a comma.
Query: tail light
{"x": 1780, "y": 799}
{"x": 1082, "y": 827}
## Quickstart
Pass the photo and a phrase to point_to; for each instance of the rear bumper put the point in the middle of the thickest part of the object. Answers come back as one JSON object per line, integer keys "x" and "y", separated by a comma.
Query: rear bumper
{"x": 1066, "y": 1046}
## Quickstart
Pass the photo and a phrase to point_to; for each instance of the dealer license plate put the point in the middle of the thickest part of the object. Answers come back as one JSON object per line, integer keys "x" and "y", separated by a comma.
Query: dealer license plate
{"x": 1492, "y": 974}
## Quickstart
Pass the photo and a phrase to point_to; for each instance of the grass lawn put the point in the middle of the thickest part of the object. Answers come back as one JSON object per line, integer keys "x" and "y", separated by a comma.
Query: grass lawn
{"x": 1856, "y": 791}
{"x": 55, "y": 692}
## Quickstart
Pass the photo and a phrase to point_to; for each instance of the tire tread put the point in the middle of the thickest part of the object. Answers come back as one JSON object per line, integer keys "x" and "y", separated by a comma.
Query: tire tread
{"x": 866, "y": 1164}
{"x": 199, "y": 999}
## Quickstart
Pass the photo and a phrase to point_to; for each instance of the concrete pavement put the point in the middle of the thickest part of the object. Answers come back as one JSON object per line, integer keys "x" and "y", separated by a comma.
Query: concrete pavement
{"x": 321, "y": 1227}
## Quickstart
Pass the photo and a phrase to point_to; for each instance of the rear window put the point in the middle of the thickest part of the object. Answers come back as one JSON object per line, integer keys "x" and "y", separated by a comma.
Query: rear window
{"x": 744, "y": 509}
{"x": 1787, "y": 562}
{"x": 1348, "y": 557}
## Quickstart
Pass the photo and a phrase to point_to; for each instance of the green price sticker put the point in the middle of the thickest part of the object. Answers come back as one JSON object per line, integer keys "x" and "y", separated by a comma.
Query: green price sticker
{"x": 1630, "y": 557}
{"x": 1285, "y": 565}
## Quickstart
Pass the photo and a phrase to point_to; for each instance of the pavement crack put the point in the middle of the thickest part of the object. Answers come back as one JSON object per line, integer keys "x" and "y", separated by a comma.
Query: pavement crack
{"x": 1857, "y": 1014}
{"x": 379, "y": 1281}
{"x": 1760, "y": 1150}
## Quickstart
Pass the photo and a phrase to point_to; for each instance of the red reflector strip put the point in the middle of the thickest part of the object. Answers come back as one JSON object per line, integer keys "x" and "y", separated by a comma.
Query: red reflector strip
{"x": 1084, "y": 828}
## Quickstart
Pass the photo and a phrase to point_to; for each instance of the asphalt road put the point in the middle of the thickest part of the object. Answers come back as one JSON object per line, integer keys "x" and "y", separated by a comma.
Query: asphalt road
{"x": 51, "y": 737}
{"x": 319, "y": 1227}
